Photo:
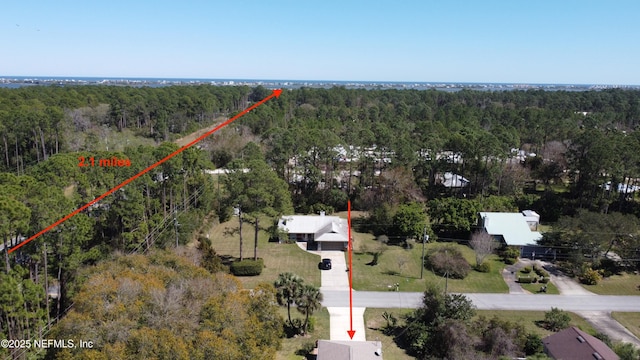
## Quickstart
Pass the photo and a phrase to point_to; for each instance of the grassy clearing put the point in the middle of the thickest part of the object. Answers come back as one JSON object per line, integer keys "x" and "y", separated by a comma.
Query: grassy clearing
{"x": 278, "y": 258}
{"x": 111, "y": 140}
{"x": 290, "y": 346}
{"x": 630, "y": 320}
{"x": 398, "y": 265}
{"x": 624, "y": 284}
{"x": 69, "y": 191}
{"x": 373, "y": 326}
{"x": 529, "y": 318}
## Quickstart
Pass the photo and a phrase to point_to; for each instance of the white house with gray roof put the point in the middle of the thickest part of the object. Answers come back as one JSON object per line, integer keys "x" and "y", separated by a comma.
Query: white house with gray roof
{"x": 514, "y": 229}
{"x": 320, "y": 232}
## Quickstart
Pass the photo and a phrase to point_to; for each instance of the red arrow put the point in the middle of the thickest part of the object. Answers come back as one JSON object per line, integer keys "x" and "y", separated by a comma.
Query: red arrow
{"x": 351, "y": 332}
{"x": 275, "y": 93}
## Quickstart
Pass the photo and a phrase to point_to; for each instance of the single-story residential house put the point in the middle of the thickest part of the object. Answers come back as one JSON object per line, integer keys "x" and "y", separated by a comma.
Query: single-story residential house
{"x": 452, "y": 181}
{"x": 513, "y": 229}
{"x": 574, "y": 344}
{"x": 348, "y": 350}
{"x": 320, "y": 232}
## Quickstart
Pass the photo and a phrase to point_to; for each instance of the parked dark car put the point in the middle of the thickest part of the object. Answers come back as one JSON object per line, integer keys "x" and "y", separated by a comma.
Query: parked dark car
{"x": 325, "y": 264}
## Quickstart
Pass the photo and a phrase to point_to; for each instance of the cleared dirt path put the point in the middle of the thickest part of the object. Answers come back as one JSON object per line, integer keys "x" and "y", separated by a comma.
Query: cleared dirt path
{"x": 196, "y": 134}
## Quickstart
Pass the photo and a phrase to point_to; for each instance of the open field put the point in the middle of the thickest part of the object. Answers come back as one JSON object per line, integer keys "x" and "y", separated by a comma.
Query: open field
{"x": 107, "y": 139}
{"x": 278, "y": 258}
{"x": 630, "y": 320}
{"x": 374, "y": 323}
{"x": 624, "y": 284}
{"x": 528, "y": 320}
{"x": 398, "y": 265}
{"x": 321, "y": 331}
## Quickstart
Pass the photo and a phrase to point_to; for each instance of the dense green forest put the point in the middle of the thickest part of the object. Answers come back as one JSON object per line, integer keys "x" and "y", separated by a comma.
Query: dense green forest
{"x": 308, "y": 150}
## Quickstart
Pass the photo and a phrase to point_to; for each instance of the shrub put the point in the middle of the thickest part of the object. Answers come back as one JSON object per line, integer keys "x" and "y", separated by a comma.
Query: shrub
{"x": 526, "y": 270}
{"x": 544, "y": 280}
{"x": 485, "y": 267}
{"x": 510, "y": 261}
{"x": 306, "y": 348}
{"x": 247, "y": 267}
{"x": 608, "y": 267}
{"x": 590, "y": 277}
{"x": 510, "y": 253}
{"x": 604, "y": 338}
{"x": 525, "y": 279}
{"x": 533, "y": 344}
{"x": 210, "y": 259}
{"x": 392, "y": 323}
{"x": 626, "y": 351}
{"x": 448, "y": 260}
{"x": 312, "y": 324}
{"x": 540, "y": 271}
{"x": 556, "y": 319}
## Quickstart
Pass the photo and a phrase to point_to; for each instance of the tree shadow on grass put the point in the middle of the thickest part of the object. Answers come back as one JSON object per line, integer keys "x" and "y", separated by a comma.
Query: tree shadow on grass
{"x": 359, "y": 224}
{"x": 395, "y": 273}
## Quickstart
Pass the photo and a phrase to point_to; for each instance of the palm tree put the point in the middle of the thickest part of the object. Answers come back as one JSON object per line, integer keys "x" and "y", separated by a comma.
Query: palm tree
{"x": 288, "y": 289}
{"x": 308, "y": 302}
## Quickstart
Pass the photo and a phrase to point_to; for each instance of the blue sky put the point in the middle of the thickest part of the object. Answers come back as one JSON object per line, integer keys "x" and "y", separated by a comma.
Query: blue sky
{"x": 541, "y": 41}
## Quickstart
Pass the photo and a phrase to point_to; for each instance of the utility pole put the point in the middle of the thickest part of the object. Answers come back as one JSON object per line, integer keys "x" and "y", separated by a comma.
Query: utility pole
{"x": 46, "y": 285}
{"x": 240, "y": 229}
{"x": 175, "y": 225}
{"x": 425, "y": 238}
{"x": 255, "y": 241}
{"x": 446, "y": 281}
{"x": 446, "y": 275}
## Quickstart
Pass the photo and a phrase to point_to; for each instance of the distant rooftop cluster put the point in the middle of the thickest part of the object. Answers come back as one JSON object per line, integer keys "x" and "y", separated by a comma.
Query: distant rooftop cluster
{"x": 19, "y": 81}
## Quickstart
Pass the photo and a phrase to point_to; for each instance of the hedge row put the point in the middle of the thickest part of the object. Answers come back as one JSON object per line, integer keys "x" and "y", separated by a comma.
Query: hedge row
{"x": 247, "y": 267}
{"x": 540, "y": 271}
{"x": 532, "y": 280}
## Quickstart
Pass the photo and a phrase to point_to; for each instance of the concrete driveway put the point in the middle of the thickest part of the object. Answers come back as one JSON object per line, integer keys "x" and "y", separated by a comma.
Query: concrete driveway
{"x": 603, "y": 322}
{"x": 339, "y": 323}
{"x": 338, "y": 277}
{"x": 336, "y": 283}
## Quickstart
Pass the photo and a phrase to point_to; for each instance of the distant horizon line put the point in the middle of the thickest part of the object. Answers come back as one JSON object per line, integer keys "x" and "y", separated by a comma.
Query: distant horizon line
{"x": 70, "y": 77}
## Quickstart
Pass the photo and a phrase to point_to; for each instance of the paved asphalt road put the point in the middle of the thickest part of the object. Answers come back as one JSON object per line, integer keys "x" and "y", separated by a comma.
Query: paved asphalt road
{"x": 373, "y": 299}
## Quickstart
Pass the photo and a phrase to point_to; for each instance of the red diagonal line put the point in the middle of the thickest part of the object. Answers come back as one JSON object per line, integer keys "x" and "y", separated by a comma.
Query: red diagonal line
{"x": 275, "y": 93}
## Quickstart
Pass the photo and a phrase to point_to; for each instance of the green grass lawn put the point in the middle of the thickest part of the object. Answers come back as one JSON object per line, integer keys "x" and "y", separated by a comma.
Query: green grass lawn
{"x": 373, "y": 326}
{"x": 625, "y": 284}
{"x": 630, "y": 320}
{"x": 535, "y": 288}
{"x": 278, "y": 258}
{"x": 398, "y": 265}
{"x": 529, "y": 318}
{"x": 321, "y": 332}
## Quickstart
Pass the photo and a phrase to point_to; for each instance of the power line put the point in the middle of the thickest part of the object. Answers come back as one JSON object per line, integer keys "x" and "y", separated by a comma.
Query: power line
{"x": 155, "y": 233}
